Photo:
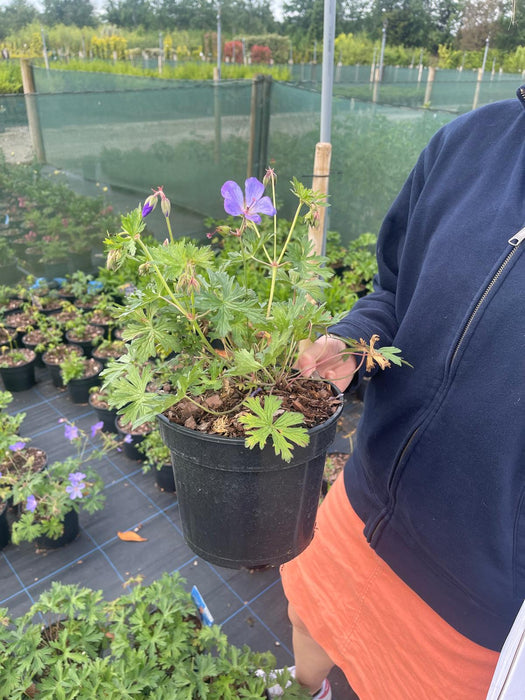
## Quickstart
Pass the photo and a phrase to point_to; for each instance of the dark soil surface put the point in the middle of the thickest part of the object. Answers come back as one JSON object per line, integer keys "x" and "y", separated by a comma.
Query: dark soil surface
{"x": 57, "y": 355}
{"x": 313, "y": 399}
{"x": 32, "y": 458}
{"x": 18, "y": 358}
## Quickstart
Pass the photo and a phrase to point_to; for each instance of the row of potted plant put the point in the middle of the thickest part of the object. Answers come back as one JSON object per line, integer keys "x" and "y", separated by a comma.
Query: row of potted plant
{"x": 47, "y": 228}
{"x": 151, "y": 642}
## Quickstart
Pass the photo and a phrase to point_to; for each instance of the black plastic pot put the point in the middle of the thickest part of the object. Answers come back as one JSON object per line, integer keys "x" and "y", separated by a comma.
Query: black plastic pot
{"x": 55, "y": 371}
{"x": 164, "y": 478}
{"x": 78, "y": 389}
{"x": 4, "y": 526}
{"x": 246, "y": 508}
{"x": 71, "y": 530}
{"x": 85, "y": 345}
{"x": 19, "y": 378}
{"x": 130, "y": 445}
{"x": 107, "y": 416}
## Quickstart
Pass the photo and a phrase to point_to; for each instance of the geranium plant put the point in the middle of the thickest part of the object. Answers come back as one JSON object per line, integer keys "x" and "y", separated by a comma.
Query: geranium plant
{"x": 45, "y": 497}
{"x": 227, "y": 354}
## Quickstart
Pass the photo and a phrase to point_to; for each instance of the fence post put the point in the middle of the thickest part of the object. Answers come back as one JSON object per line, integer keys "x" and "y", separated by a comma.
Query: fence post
{"x": 430, "y": 83}
{"x": 217, "y": 114}
{"x": 260, "y": 109}
{"x": 323, "y": 156}
{"x": 478, "y": 87}
{"x": 33, "y": 119}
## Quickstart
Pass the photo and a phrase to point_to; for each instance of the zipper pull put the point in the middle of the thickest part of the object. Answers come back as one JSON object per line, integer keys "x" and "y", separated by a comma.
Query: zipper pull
{"x": 518, "y": 238}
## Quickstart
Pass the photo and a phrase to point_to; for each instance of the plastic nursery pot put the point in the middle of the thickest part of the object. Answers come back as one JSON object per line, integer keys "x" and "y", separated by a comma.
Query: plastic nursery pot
{"x": 4, "y": 526}
{"x": 243, "y": 508}
{"x": 108, "y": 416}
{"x": 22, "y": 377}
{"x": 164, "y": 478}
{"x": 78, "y": 389}
{"x": 85, "y": 345}
{"x": 71, "y": 530}
{"x": 53, "y": 365}
{"x": 130, "y": 445}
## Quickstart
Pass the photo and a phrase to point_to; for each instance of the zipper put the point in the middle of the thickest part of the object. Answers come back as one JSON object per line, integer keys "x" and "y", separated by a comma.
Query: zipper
{"x": 515, "y": 242}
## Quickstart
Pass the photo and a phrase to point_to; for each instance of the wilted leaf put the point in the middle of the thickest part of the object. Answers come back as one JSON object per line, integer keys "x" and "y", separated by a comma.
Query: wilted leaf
{"x": 130, "y": 536}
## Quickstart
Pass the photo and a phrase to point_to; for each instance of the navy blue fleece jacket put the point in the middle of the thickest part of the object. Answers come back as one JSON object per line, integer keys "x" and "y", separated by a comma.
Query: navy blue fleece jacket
{"x": 438, "y": 471}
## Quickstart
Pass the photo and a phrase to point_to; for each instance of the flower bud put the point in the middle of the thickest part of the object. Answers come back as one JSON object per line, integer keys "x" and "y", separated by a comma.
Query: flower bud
{"x": 165, "y": 206}
{"x": 149, "y": 205}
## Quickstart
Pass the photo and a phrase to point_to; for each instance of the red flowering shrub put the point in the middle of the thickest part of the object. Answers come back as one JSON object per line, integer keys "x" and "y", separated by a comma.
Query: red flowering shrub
{"x": 233, "y": 51}
{"x": 260, "y": 54}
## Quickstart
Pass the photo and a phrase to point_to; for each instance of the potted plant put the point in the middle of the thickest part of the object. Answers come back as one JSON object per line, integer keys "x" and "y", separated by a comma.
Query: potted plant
{"x": 157, "y": 456}
{"x": 147, "y": 643}
{"x": 236, "y": 415}
{"x": 47, "y": 335}
{"x": 98, "y": 400}
{"x": 17, "y": 368}
{"x": 50, "y": 500}
{"x": 109, "y": 350}
{"x": 132, "y": 436}
{"x": 54, "y": 356}
{"x": 80, "y": 374}
{"x": 80, "y": 332}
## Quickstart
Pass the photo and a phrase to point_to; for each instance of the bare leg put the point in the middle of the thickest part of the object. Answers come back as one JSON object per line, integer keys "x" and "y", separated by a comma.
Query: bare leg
{"x": 312, "y": 663}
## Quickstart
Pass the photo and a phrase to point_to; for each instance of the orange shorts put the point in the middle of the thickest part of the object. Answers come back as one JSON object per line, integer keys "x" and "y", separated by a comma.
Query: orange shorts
{"x": 389, "y": 643}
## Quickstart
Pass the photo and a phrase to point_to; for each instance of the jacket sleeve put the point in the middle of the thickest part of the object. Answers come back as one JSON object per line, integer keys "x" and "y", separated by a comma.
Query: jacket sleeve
{"x": 376, "y": 313}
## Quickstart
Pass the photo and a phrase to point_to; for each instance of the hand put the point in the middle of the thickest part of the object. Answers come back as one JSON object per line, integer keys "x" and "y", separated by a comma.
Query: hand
{"x": 326, "y": 356}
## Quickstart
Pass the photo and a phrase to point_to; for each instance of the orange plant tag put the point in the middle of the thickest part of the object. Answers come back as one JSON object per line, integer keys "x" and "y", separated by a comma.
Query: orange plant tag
{"x": 130, "y": 536}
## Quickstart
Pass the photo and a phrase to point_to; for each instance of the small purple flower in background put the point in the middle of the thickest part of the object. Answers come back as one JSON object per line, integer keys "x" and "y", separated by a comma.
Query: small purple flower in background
{"x": 76, "y": 485}
{"x": 128, "y": 439}
{"x": 96, "y": 427}
{"x": 251, "y": 204}
{"x": 17, "y": 446}
{"x": 70, "y": 432}
{"x": 31, "y": 504}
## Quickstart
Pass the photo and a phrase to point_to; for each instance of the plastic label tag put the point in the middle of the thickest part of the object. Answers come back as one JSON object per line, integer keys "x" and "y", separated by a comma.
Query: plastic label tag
{"x": 7, "y": 220}
{"x": 205, "y": 614}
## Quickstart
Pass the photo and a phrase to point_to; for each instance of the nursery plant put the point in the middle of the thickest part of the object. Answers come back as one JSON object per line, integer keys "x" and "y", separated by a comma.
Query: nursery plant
{"x": 45, "y": 497}
{"x": 148, "y": 643}
{"x": 233, "y": 373}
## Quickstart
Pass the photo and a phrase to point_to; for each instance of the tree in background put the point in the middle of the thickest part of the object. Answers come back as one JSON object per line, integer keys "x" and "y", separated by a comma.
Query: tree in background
{"x": 480, "y": 20}
{"x": 16, "y": 16}
{"x": 69, "y": 12}
{"x": 128, "y": 13}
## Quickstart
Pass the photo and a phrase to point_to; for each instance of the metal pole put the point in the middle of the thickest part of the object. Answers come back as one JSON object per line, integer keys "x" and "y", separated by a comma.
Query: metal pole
{"x": 44, "y": 47}
{"x": 327, "y": 84}
{"x": 161, "y": 52}
{"x": 487, "y": 41}
{"x": 382, "y": 54}
{"x": 219, "y": 48}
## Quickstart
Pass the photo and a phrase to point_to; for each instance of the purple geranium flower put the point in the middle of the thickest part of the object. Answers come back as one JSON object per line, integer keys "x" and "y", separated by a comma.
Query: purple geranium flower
{"x": 76, "y": 485}
{"x": 17, "y": 446}
{"x": 96, "y": 427}
{"x": 31, "y": 504}
{"x": 70, "y": 432}
{"x": 128, "y": 439}
{"x": 251, "y": 204}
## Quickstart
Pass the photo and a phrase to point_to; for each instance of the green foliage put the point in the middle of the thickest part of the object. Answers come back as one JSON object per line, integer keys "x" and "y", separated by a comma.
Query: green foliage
{"x": 44, "y": 497}
{"x": 73, "y": 367}
{"x": 10, "y": 78}
{"x": 155, "y": 452}
{"x": 148, "y": 643}
{"x": 9, "y": 427}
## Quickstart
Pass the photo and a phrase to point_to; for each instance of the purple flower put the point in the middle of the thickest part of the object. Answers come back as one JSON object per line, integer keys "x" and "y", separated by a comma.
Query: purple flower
{"x": 128, "y": 439}
{"x": 96, "y": 427}
{"x": 31, "y": 504}
{"x": 251, "y": 205}
{"x": 17, "y": 446}
{"x": 70, "y": 432}
{"x": 76, "y": 485}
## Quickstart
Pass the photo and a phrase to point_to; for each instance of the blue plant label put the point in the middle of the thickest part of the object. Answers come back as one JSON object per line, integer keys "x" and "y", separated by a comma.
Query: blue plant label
{"x": 7, "y": 219}
{"x": 205, "y": 614}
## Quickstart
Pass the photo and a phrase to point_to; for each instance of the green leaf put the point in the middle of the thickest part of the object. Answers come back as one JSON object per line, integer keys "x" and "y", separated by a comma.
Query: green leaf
{"x": 268, "y": 422}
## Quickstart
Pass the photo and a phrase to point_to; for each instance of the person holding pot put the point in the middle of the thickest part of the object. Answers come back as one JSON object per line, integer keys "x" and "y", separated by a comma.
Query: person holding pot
{"x": 417, "y": 567}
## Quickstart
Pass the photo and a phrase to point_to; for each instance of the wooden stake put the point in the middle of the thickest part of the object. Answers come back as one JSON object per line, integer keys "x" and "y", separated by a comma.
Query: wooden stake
{"x": 33, "y": 119}
{"x": 323, "y": 155}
